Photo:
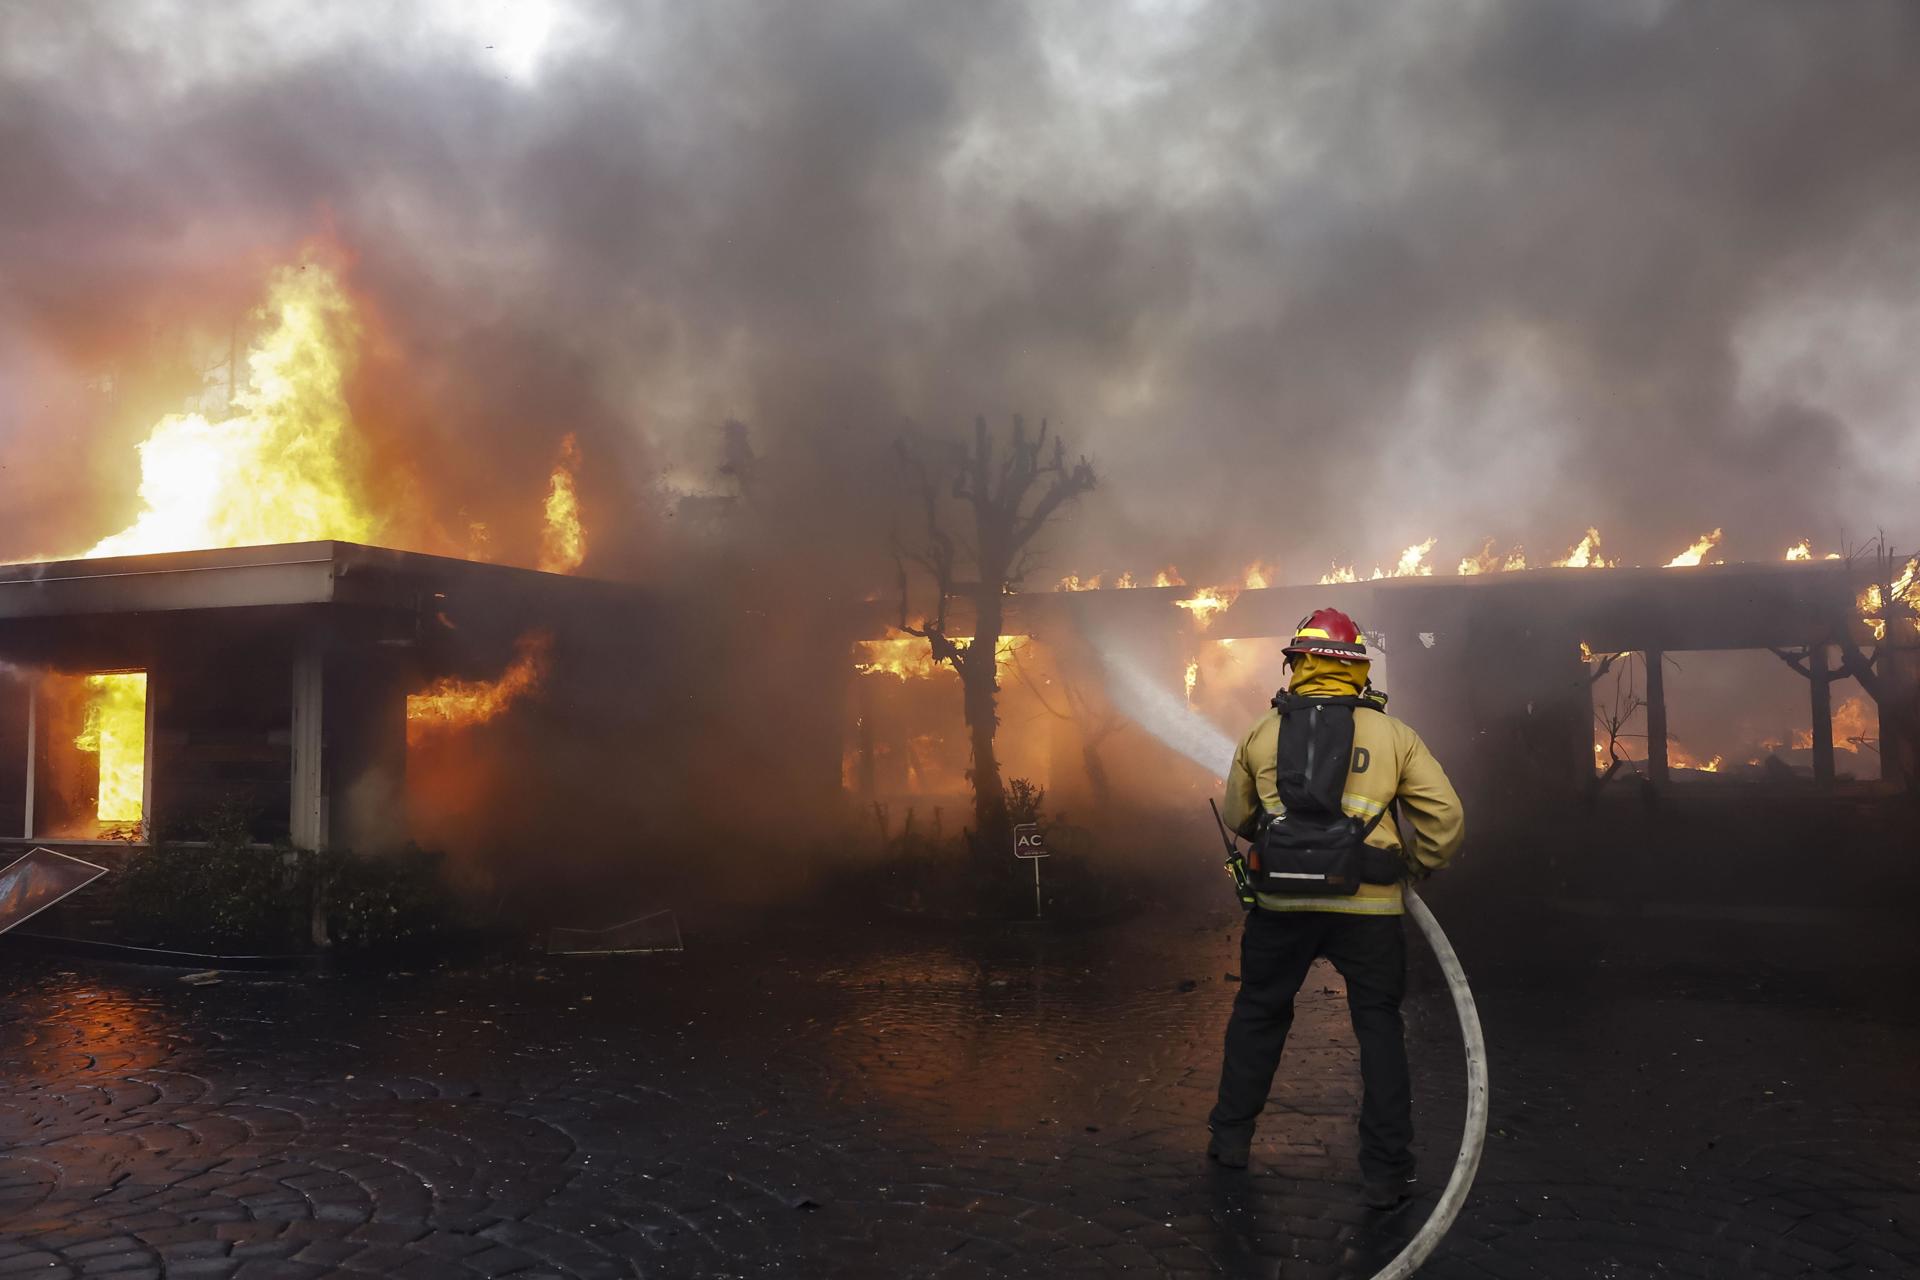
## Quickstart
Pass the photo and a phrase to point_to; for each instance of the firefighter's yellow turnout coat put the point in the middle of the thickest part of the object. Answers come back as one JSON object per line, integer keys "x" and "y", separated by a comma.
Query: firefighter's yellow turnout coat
{"x": 1389, "y": 762}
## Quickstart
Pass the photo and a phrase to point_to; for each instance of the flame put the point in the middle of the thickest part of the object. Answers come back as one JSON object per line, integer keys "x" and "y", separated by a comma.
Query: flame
{"x": 272, "y": 472}
{"x": 1801, "y": 550}
{"x": 115, "y": 729}
{"x": 1697, "y": 552}
{"x": 1679, "y": 757}
{"x": 1337, "y": 575}
{"x": 1169, "y": 577}
{"x": 461, "y": 704}
{"x": 1073, "y": 582}
{"x": 1259, "y": 576}
{"x": 1124, "y": 582}
{"x": 911, "y": 657}
{"x": 1487, "y": 560}
{"x": 1906, "y": 589}
{"x": 1192, "y": 678}
{"x": 1207, "y": 602}
{"x": 1413, "y": 561}
{"x": 564, "y": 545}
{"x": 1854, "y": 724}
{"x": 1586, "y": 555}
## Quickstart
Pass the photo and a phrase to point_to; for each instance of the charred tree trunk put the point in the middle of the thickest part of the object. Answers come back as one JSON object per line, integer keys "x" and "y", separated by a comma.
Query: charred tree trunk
{"x": 989, "y": 792}
{"x": 1011, "y": 494}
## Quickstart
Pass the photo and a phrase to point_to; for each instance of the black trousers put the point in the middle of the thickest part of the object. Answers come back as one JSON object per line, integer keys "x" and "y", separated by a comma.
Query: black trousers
{"x": 1276, "y": 950}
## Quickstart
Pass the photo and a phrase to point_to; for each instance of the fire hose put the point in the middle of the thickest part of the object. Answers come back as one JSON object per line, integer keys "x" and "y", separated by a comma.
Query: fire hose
{"x": 1474, "y": 1137}
{"x": 1179, "y": 728}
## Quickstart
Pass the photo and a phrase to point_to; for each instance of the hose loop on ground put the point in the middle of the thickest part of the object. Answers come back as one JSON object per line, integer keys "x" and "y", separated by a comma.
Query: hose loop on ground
{"x": 1475, "y": 1135}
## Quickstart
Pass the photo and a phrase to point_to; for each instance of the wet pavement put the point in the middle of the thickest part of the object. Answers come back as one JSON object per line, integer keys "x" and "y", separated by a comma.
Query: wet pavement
{"x": 905, "y": 1101}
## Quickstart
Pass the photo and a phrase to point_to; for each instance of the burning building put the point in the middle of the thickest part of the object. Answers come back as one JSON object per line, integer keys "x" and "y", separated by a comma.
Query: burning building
{"x": 1723, "y": 696}
{"x": 282, "y": 687}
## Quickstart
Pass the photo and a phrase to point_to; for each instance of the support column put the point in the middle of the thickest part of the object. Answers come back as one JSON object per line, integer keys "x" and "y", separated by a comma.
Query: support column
{"x": 1820, "y": 682}
{"x": 33, "y": 750}
{"x": 307, "y": 823}
{"x": 1656, "y": 717}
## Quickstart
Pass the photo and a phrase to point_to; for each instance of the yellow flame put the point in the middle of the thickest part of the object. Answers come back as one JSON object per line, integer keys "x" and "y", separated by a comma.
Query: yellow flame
{"x": 460, "y": 704}
{"x": 564, "y": 544}
{"x": 1801, "y": 550}
{"x": 1681, "y": 758}
{"x": 273, "y": 471}
{"x": 1697, "y": 552}
{"x": 1413, "y": 561}
{"x": 115, "y": 729}
{"x": 1854, "y": 724}
{"x": 1259, "y": 576}
{"x": 1169, "y": 577}
{"x": 1074, "y": 582}
{"x": 1338, "y": 574}
{"x": 1206, "y": 602}
{"x": 1124, "y": 582}
{"x": 1192, "y": 678}
{"x": 1906, "y": 589}
{"x": 1586, "y": 555}
{"x": 1487, "y": 560}
{"x": 911, "y": 657}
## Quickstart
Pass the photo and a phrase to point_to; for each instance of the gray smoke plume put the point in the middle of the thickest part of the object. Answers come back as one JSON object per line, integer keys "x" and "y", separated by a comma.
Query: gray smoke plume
{"x": 1307, "y": 280}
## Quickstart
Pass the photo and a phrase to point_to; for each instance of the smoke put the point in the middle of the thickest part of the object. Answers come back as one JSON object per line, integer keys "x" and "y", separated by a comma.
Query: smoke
{"x": 1339, "y": 276}
{"x": 1308, "y": 282}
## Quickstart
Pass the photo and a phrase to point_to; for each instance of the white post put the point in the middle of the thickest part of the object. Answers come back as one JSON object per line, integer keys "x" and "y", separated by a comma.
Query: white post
{"x": 146, "y": 768}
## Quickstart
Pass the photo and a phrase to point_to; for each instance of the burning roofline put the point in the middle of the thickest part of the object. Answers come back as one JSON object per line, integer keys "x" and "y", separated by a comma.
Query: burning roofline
{"x": 278, "y": 574}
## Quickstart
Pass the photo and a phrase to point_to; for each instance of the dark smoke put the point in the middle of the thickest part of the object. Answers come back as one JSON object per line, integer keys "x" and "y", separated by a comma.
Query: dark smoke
{"x": 1308, "y": 281}
{"x": 1486, "y": 269}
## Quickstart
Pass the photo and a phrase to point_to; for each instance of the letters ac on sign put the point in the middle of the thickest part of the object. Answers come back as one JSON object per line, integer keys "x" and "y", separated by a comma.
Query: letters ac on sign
{"x": 1028, "y": 842}
{"x": 1361, "y": 759}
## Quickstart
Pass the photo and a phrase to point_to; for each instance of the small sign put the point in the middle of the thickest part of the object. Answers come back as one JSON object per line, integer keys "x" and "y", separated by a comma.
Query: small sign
{"x": 1028, "y": 842}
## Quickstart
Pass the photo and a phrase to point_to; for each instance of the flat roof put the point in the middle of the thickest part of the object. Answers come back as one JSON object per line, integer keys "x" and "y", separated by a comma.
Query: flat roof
{"x": 286, "y": 574}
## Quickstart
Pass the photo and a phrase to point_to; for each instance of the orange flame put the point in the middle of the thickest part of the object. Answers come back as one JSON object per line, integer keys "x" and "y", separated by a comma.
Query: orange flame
{"x": 1697, "y": 552}
{"x": 1487, "y": 560}
{"x": 461, "y": 704}
{"x": 1206, "y": 602}
{"x": 564, "y": 545}
{"x": 911, "y": 657}
{"x": 273, "y": 471}
{"x": 1854, "y": 725}
{"x": 115, "y": 729}
{"x": 1585, "y": 555}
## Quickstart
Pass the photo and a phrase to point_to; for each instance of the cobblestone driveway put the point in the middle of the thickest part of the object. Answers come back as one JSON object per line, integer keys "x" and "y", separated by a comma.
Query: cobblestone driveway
{"x": 915, "y": 1104}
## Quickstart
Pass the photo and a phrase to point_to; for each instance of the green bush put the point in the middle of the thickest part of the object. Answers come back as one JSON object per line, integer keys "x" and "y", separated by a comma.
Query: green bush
{"x": 216, "y": 897}
{"x": 378, "y": 903}
{"x": 229, "y": 895}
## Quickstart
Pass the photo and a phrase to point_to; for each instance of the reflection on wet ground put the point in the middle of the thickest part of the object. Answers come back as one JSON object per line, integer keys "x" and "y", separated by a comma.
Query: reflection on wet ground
{"x": 893, "y": 1101}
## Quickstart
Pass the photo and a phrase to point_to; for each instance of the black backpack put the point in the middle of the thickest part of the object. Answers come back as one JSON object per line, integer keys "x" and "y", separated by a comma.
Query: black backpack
{"x": 1314, "y": 848}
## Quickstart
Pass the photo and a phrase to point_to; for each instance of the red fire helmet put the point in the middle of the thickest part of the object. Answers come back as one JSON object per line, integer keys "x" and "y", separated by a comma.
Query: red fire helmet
{"x": 1329, "y": 633}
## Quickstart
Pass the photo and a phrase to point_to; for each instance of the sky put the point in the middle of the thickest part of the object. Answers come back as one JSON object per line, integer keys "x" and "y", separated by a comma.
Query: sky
{"x": 1308, "y": 282}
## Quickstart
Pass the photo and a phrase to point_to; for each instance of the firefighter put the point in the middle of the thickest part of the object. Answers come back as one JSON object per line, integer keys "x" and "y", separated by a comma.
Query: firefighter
{"x": 1359, "y": 932}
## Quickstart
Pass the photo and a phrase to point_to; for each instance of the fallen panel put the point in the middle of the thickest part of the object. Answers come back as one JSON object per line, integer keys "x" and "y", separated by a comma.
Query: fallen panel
{"x": 657, "y": 931}
{"x": 35, "y": 881}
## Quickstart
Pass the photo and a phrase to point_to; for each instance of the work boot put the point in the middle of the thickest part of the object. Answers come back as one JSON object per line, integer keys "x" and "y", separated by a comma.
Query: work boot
{"x": 1229, "y": 1149}
{"x": 1385, "y": 1193}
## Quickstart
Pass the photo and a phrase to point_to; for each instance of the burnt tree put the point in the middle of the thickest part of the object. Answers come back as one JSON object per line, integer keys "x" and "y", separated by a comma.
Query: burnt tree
{"x": 1005, "y": 493}
{"x": 1890, "y": 675}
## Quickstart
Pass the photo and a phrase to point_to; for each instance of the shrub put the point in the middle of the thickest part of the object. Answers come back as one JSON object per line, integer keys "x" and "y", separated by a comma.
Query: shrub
{"x": 377, "y": 903}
